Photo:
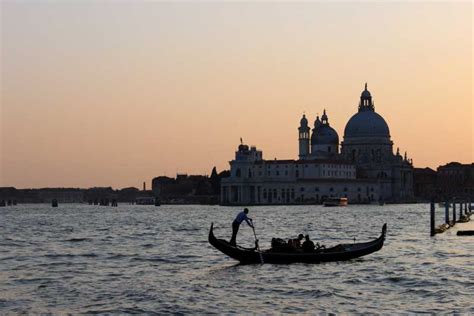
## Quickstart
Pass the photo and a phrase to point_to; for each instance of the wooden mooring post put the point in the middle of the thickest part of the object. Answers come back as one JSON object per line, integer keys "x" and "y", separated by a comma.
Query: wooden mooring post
{"x": 446, "y": 212}
{"x": 454, "y": 212}
{"x": 465, "y": 211}
{"x": 432, "y": 218}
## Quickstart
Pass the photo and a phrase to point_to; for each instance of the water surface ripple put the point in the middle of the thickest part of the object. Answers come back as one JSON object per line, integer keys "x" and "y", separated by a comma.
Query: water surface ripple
{"x": 156, "y": 260}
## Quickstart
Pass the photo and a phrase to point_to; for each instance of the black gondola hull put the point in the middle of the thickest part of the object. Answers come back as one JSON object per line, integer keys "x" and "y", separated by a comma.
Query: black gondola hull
{"x": 341, "y": 252}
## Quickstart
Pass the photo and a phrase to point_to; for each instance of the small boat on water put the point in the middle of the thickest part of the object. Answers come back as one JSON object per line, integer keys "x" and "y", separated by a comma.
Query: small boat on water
{"x": 340, "y": 252}
{"x": 335, "y": 201}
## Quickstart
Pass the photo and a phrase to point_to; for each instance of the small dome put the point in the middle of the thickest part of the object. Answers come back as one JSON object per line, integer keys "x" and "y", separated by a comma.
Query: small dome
{"x": 366, "y": 124}
{"x": 317, "y": 123}
{"x": 324, "y": 135}
{"x": 366, "y": 93}
{"x": 304, "y": 121}
{"x": 243, "y": 147}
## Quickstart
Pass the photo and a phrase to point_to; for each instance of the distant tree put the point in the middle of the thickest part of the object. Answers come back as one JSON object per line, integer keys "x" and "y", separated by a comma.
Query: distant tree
{"x": 215, "y": 181}
{"x": 203, "y": 187}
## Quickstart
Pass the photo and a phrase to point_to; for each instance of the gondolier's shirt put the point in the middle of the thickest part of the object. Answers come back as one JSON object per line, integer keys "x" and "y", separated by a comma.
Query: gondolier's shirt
{"x": 242, "y": 217}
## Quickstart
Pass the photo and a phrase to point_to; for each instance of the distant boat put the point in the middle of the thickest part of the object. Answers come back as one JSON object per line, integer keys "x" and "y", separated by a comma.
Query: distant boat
{"x": 335, "y": 201}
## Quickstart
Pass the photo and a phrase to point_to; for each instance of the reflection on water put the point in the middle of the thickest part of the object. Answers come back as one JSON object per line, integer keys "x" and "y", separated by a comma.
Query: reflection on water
{"x": 146, "y": 259}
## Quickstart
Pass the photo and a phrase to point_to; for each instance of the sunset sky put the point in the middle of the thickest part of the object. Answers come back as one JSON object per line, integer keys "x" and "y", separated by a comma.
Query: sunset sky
{"x": 109, "y": 93}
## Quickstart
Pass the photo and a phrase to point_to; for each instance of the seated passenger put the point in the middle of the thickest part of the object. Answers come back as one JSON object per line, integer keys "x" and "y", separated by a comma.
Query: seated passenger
{"x": 279, "y": 245}
{"x": 296, "y": 243}
{"x": 308, "y": 245}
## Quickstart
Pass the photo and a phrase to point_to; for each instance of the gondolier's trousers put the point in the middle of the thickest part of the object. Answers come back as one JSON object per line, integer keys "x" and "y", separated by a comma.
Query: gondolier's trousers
{"x": 235, "y": 229}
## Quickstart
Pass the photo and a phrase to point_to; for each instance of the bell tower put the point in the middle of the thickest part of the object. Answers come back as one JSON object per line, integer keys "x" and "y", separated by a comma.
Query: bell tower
{"x": 303, "y": 138}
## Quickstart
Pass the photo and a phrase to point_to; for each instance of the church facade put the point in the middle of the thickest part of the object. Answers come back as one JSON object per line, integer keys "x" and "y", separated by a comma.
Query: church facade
{"x": 362, "y": 168}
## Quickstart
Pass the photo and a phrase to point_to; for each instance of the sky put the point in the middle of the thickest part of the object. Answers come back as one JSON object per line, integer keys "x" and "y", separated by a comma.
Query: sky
{"x": 114, "y": 93}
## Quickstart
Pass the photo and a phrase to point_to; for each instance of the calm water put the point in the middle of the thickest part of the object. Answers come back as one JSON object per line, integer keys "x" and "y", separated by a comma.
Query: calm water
{"x": 146, "y": 259}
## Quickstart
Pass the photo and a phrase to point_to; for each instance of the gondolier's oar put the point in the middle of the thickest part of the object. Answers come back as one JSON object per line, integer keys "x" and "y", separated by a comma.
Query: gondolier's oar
{"x": 256, "y": 242}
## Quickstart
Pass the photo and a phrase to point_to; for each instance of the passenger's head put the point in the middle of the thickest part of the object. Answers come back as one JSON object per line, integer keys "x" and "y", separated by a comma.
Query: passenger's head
{"x": 300, "y": 236}
{"x": 246, "y": 210}
{"x": 306, "y": 237}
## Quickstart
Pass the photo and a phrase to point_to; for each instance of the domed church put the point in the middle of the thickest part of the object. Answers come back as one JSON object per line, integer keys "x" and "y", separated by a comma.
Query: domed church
{"x": 364, "y": 169}
{"x": 366, "y": 144}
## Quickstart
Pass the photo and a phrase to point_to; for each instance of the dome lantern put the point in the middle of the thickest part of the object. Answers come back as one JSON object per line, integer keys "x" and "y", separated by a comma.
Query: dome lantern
{"x": 366, "y": 103}
{"x": 317, "y": 123}
{"x": 303, "y": 121}
{"x": 324, "y": 118}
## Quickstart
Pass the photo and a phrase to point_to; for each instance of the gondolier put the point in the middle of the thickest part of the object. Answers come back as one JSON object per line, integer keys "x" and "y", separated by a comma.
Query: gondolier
{"x": 242, "y": 216}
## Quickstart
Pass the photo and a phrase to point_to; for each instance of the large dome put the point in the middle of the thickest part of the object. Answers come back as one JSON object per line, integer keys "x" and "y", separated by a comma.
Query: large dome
{"x": 366, "y": 124}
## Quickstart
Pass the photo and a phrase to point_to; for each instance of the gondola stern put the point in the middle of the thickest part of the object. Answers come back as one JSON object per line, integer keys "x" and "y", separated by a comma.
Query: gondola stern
{"x": 224, "y": 247}
{"x": 211, "y": 234}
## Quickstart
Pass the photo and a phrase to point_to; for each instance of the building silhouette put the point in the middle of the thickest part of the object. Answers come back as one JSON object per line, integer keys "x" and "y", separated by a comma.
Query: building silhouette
{"x": 363, "y": 167}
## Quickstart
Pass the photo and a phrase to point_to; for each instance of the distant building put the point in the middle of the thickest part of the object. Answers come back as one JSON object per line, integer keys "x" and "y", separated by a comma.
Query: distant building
{"x": 185, "y": 189}
{"x": 61, "y": 195}
{"x": 129, "y": 194}
{"x": 456, "y": 180}
{"x": 68, "y": 195}
{"x": 100, "y": 194}
{"x": 424, "y": 183}
{"x": 365, "y": 168}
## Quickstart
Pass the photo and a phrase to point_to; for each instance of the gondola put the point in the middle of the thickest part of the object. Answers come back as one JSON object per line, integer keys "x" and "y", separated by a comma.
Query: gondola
{"x": 340, "y": 252}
